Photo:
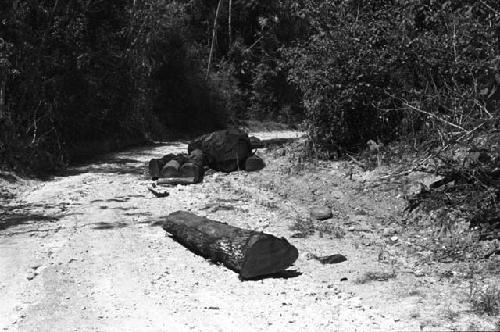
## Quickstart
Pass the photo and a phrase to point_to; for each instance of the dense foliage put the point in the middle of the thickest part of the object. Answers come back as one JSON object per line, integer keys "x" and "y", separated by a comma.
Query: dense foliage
{"x": 76, "y": 74}
{"x": 85, "y": 76}
{"x": 381, "y": 69}
{"x": 359, "y": 70}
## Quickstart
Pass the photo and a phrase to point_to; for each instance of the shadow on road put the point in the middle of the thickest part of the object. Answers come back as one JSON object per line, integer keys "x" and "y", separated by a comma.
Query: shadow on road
{"x": 109, "y": 225}
{"x": 111, "y": 165}
{"x": 19, "y": 215}
{"x": 123, "y": 162}
{"x": 287, "y": 274}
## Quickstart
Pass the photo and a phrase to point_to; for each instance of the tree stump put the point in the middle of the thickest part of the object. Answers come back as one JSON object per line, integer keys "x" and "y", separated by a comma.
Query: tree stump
{"x": 252, "y": 254}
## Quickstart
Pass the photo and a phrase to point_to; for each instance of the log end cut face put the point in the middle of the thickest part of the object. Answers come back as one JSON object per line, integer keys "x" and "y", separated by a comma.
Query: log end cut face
{"x": 268, "y": 255}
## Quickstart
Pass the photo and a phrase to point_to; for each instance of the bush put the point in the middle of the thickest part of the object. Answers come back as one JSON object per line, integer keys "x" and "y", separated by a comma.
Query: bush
{"x": 486, "y": 300}
{"x": 83, "y": 76}
{"x": 369, "y": 65}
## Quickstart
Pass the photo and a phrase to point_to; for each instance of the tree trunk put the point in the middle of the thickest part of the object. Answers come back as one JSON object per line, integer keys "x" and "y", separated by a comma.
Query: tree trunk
{"x": 2, "y": 97}
{"x": 214, "y": 35}
{"x": 230, "y": 32}
{"x": 252, "y": 254}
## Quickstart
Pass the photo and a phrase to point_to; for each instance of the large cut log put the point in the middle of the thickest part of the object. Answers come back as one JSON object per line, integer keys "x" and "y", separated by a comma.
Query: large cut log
{"x": 224, "y": 150}
{"x": 250, "y": 253}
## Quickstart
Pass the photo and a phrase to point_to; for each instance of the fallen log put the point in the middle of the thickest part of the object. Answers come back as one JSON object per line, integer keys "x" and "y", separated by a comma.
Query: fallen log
{"x": 254, "y": 163}
{"x": 252, "y": 254}
{"x": 193, "y": 167}
{"x": 155, "y": 165}
{"x": 176, "y": 181}
{"x": 223, "y": 150}
{"x": 171, "y": 168}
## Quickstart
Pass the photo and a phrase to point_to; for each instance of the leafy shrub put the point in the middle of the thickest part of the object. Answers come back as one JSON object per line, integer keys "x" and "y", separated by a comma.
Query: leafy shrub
{"x": 81, "y": 76}
{"x": 376, "y": 69}
{"x": 486, "y": 300}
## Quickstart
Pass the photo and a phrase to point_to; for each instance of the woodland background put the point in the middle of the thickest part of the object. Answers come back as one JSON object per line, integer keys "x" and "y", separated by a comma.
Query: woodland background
{"x": 79, "y": 77}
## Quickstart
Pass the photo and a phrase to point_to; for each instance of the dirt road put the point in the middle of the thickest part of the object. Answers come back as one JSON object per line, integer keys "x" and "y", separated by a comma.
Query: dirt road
{"x": 82, "y": 253}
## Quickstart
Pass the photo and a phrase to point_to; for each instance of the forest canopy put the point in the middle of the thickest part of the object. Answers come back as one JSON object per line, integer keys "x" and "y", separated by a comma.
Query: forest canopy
{"x": 78, "y": 76}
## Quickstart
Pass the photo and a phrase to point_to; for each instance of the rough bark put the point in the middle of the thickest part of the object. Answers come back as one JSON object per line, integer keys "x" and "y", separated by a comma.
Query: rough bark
{"x": 252, "y": 254}
{"x": 254, "y": 163}
{"x": 176, "y": 181}
{"x": 193, "y": 167}
{"x": 155, "y": 165}
{"x": 171, "y": 169}
{"x": 223, "y": 150}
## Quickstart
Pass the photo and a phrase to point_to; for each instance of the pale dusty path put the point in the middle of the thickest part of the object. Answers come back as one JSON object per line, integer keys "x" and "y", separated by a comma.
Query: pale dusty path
{"x": 86, "y": 258}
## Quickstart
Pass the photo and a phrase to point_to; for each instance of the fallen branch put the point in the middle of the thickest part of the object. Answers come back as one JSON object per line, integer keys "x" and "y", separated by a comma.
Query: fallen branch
{"x": 414, "y": 108}
{"x": 354, "y": 160}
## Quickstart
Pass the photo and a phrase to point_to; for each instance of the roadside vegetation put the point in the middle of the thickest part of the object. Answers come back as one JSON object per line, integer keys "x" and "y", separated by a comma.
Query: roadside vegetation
{"x": 391, "y": 88}
{"x": 77, "y": 77}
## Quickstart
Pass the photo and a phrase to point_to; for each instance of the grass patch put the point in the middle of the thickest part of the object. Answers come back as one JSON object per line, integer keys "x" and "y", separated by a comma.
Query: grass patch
{"x": 307, "y": 227}
{"x": 485, "y": 300}
{"x": 303, "y": 227}
{"x": 375, "y": 276}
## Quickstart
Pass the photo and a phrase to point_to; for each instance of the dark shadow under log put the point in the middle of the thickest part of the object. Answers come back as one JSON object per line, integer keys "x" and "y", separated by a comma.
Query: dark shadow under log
{"x": 250, "y": 253}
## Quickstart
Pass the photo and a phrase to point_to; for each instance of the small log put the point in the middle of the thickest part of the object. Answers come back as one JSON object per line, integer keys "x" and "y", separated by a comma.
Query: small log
{"x": 252, "y": 254}
{"x": 256, "y": 143}
{"x": 193, "y": 168}
{"x": 254, "y": 163}
{"x": 196, "y": 157}
{"x": 155, "y": 165}
{"x": 171, "y": 168}
{"x": 176, "y": 181}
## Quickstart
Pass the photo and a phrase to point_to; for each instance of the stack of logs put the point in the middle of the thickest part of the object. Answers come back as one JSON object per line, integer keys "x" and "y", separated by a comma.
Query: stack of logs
{"x": 225, "y": 150}
{"x": 178, "y": 168}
